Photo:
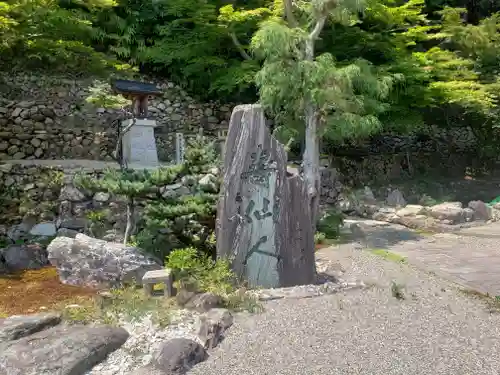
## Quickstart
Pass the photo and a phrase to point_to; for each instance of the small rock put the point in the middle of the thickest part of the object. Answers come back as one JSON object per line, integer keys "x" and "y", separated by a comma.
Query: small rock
{"x": 367, "y": 195}
{"x": 6, "y": 168}
{"x": 203, "y": 302}
{"x": 183, "y": 297}
{"x": 469, "y": 214}
{"x": 87, "y": 261}
{"x": 20, "y": 231}
{"x": 66, "y": 232}
{"x": 481, "y": 210}
{"x": 177, "y": 356}
{"x": 101, "y": 197}
{"x": 396, "y": 199}
{"x": 211, "y": 326}
{"x": 410, "y": 210}
{"x": 73, "y": 223}
{"x": 209, "y": 183}
{"x": 71, "y": 193}
{"x": 44, "y": 229}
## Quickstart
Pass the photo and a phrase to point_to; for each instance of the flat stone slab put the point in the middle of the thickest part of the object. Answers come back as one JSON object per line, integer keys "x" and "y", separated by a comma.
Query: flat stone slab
{"x": 157, "y": 276}
{"x": 15, "y": 327}
{"x": 60, "y": 350}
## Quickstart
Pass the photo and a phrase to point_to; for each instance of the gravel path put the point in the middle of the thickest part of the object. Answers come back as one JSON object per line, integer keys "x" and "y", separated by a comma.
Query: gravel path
{"x": 436, "y": 330}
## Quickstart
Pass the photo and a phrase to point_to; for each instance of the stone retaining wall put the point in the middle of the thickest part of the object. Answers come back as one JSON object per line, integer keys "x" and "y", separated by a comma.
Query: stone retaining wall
{"x": 46, "y": 117}
{"x": 42, "y": 191}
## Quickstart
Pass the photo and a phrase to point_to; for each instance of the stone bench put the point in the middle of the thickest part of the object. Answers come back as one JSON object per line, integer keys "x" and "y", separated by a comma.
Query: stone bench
{"x": 164, "y": 277}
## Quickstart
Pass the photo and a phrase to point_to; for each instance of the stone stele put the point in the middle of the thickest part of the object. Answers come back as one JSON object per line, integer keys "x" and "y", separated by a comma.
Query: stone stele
{"x": 263, "y": 218}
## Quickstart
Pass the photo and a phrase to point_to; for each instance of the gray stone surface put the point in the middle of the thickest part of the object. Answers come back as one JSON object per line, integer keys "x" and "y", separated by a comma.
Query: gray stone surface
{"x": 177, "y": 356}
{"x": 212, "y": 326}
{"x": 148, "y": 370}
{"x": 61, "y": 350}
{"x": 263, "y": 219}
{"x": 203, "y": 302}
{"x": 434, "y": 330}
{"x": 44, "y": 229}
{"x": 15, "y": 327}
{"x": 451, "y": 211}
{"x": 88, "y": 261}
{"x": 23, "y": 257}
{"x": 139, "y": 146}
{"x": 481, "y": 210}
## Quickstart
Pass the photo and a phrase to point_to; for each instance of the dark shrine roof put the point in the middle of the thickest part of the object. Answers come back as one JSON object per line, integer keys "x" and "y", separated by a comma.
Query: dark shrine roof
{"x": 135, "y": 87}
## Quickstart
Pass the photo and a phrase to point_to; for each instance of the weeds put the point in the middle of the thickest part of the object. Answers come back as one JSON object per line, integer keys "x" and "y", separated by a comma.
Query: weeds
{"x": 387, "y": 255}
{"x": 491, "y": 303}
{"x": 319, "y": 238}
{"x": 397, "y": 291}
{"x": 203, "y": 274}
{"x": 128, "y": 303}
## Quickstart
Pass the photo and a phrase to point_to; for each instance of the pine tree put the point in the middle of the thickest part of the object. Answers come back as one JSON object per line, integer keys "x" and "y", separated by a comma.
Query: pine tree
{"x": 168, "y": 221}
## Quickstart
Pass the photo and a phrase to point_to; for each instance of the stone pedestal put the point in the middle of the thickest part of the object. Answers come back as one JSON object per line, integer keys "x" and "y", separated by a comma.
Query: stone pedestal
{"x": 138, "y": 144}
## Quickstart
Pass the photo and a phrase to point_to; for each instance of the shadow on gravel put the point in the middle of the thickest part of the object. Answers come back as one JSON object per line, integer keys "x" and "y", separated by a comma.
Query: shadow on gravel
{"x": 382, "y": 236}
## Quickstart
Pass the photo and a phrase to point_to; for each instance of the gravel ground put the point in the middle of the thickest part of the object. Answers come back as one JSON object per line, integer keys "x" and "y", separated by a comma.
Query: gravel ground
{"x": 145, "y": 339}
{"x": 435, "y": 330}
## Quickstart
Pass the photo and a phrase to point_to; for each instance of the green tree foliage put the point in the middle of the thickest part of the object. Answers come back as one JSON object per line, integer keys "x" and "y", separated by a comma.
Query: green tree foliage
{"x": 186, "y": 40}
{"x": 423, "y": 62}
{"x": 167, "y": 220}
{"x": 50, "y": 35}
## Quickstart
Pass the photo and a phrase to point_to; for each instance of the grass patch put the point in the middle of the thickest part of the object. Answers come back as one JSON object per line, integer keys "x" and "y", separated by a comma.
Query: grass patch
{"x": 491, "y": 303}
{"x": 387, "y": 255}
{"x": 424, "y": 232}
{"x": 129, "y": 303}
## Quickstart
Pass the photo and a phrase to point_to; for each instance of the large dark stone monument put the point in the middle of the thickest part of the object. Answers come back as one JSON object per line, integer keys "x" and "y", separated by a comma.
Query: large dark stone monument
{"x": 263, "y": 218}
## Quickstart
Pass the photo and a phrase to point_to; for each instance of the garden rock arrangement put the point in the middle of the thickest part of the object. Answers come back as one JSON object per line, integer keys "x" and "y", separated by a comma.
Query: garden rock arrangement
{"x": 46, "y": 117}
{"x": 42, "y": 344}
{"x": 394, "y": 209}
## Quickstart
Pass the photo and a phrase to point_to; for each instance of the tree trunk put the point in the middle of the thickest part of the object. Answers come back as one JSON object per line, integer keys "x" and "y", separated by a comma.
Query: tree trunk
{"x": 130, "y": 220}
{"x": 311, "y": 153}
{"x": 311, "y": 161}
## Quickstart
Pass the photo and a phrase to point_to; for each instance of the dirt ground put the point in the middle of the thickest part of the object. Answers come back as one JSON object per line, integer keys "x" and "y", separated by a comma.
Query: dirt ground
{"x": 36, "y": 290}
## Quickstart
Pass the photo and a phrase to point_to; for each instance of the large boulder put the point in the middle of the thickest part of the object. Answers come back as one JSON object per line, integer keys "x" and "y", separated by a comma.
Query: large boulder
{"x": 61, "y": 350}
{"x": 87, "y": 261}
{"x": 449, "y": 211}
{"x": 481, "y": 211}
